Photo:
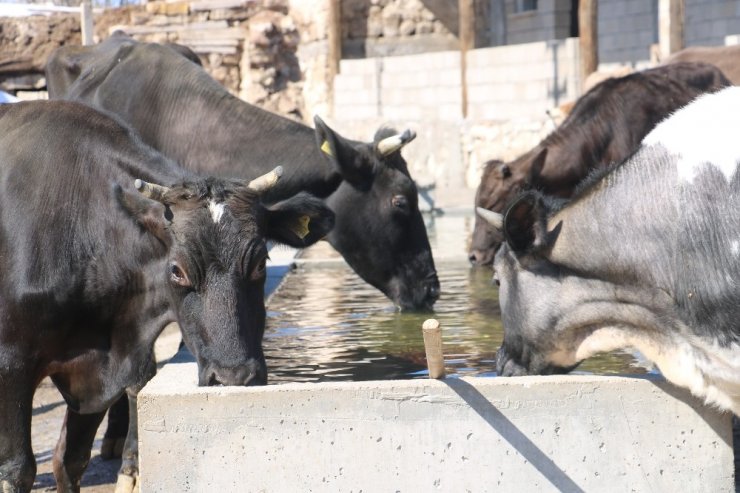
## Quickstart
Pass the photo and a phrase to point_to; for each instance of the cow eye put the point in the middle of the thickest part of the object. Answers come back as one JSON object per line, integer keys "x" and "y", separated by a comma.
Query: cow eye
{"x": 400, "y": 202}
{"x": 259, "y": 270}
{"x": 505, "y": 171}
{"x": 178, "y": 276}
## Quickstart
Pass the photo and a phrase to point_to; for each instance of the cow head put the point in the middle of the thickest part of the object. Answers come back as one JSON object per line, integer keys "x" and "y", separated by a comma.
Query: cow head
{"x": 215, "y": 232}
{"x": 529, "y": 287}
{"x": 500, "y": 183}
{"x": 379, "y": 229}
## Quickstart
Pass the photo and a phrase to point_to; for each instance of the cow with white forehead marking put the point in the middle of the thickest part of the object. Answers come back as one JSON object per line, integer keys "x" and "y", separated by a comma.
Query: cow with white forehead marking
{"x": 644, "y": 256}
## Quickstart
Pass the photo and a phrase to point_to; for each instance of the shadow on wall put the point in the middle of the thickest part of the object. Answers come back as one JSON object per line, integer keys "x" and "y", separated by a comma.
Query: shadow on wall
{"x": 495, "y": 418}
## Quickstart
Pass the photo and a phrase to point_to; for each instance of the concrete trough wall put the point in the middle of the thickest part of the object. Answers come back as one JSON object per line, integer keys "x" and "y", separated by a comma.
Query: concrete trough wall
{"x": 566, "y": 433}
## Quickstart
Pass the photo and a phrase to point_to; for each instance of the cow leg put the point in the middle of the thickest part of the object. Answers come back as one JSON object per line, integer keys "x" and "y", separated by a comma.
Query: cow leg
{"x": 115, "y": 433}
{"x": 17, "y": 464}
{"x": 128, "y": 475}
{"x": 72, "y": 453}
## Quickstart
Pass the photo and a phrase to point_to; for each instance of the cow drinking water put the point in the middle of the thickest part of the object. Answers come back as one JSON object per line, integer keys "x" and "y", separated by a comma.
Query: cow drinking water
{"x": 645, "y": 256}
{"x": 103, "y": 242}
{"x": 181, "y": 111}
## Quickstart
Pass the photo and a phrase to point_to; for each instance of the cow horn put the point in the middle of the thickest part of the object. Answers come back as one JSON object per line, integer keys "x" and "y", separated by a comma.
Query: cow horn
{"x": 494, "y": 219}
{"x": 266, "y": 181}
{"x": 150, "y": 190}
{"x": 395, "y": 142}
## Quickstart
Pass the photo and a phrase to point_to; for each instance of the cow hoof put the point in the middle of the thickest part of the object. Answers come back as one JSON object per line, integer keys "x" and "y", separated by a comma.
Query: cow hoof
{"x": 127, "y": 484}
{"x": 112, "y": 448}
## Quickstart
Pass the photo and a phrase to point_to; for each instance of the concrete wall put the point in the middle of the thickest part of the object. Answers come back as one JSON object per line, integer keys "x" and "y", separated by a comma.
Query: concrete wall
{"x": 568, "y": 433}
{"x": 627, "y": 28}
{"x": 551, "y": 20}
{"x": 709, "y": 21}
{"x": 509, "y": 90}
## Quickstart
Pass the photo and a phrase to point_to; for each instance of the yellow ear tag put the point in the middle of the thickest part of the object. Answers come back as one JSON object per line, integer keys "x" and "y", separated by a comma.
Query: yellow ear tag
{"x": 300, "y": 228}
{"x": 325, "y": 147}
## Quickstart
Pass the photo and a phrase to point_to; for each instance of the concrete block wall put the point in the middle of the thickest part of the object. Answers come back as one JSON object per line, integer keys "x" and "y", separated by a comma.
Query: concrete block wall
{"x": 551, "y": 20}
{"x": 560, "y": 433}
{"x": 521, "y": 81}
{"x": 509, "y": 89}
{"x": 627, "y": 28}
{"x": 709, "y": 21}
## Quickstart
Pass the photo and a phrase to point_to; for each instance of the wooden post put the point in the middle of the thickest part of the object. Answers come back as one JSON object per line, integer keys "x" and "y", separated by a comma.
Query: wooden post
{"x": 498, "y": 22}
{"x": 86, "y": 22}
{"x": 335, "y": 36}
{"x": 433, "y": 347}
{"x": 588, "y": 36}
{"x": 334, "y": 55}
{"x": 466, "y": 32}
{"x": 670, "y": 26}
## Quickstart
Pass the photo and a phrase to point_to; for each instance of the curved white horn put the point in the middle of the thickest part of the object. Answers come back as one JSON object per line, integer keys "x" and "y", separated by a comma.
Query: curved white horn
{"x": 494, "y": 219}
{"x": 266, "y": 181}
{"x": 151, "y": 190}
{"x": 395, "y": 142}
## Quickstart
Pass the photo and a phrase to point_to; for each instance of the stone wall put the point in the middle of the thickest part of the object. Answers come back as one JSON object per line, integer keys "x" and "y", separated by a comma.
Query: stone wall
{"x": 249, "y": 46}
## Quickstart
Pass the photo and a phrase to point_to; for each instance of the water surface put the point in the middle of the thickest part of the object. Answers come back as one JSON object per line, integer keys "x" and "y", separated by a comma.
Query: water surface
{"x": 326, "y": 324}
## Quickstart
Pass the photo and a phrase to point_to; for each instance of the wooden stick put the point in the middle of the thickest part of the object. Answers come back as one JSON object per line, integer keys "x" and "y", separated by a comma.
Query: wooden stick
{"x": 433, "y": 347}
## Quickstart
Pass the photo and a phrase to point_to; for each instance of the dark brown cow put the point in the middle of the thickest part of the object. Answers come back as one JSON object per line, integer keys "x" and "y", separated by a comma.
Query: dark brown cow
{"x": 606, "y": 126}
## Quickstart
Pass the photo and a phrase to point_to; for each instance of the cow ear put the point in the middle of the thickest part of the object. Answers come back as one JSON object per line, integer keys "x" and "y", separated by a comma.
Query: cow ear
{"x": 347, "y": 156}
{"x": 299, "y": 221}
{"x": 152, "y": 216}
{"x": 525, "y": 223}
{"x": 535, "y": 170}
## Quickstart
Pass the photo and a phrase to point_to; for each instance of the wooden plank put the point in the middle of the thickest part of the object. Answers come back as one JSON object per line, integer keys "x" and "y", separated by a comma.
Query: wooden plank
{"x": 196, "y": 26}
{"x": 670, "y": 26}
{"x": 219, "y": 4}
{"x": 222, "y": 50}
{"x": 588, "y": 37}
{"x": 229, "y": 33}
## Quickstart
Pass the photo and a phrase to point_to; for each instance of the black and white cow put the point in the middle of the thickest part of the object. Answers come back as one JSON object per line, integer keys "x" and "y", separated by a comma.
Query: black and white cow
{"x": 605, "y": 126}
{"x": 178, "y": 109}
{"x": 93, "y": 270}
{"x": 645, "y": 256}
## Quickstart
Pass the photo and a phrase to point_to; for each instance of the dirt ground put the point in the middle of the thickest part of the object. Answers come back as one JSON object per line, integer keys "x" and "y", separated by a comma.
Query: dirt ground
{"x": 48, "y": 415}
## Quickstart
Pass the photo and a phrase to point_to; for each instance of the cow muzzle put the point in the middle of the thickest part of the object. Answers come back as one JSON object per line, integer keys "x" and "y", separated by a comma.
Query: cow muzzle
{"x": 254, "y": 372}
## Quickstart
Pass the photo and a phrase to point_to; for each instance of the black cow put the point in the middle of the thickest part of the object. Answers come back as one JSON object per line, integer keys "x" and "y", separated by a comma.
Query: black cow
{"x": 93, "y": 270}
{"x": 646, "y": 256}
{"x": 181, "y": 111}
{"x": 605, "y": 126}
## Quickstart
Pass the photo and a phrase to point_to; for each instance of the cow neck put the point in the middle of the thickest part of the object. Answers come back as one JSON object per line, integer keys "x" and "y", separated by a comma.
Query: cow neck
{"x": 242, "y": 140}
{"x": 599, "y": 232}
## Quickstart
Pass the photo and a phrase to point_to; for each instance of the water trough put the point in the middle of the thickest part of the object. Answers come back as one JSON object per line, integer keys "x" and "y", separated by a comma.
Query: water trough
{"x": 565, "y": 433}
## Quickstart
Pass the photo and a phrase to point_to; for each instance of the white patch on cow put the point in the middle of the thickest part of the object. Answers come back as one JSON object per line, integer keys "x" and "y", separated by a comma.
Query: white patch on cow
{"x": 706, "y": 369}
{"x": 704, "y": 131}
{"x": 735, "y": 247}
{"x": 217, "y": 210}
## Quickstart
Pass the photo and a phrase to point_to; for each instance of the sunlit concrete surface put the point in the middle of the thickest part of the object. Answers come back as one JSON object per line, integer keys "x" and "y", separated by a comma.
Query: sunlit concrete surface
{"x": 564, "y": 433}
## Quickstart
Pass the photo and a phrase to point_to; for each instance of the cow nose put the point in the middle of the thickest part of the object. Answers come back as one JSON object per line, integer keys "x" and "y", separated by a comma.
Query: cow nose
{"x": 473, "y": 257}
{"x": 432, "y": 291}
{"x": 252, "y": 373}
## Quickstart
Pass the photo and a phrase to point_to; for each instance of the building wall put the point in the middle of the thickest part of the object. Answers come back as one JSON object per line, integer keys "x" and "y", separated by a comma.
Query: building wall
{"x": 627, "y": 29}
{"x": 707, "y": 22}
{"x": 510, "y": 88}
{"x": 551, "y": 20}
